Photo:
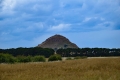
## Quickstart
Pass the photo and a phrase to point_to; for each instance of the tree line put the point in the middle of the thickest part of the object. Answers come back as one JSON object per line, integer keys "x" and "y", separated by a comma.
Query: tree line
{"x": 69, "y": 52}
{"x": 33, "y": 51}
{"x": 89, "y": 52}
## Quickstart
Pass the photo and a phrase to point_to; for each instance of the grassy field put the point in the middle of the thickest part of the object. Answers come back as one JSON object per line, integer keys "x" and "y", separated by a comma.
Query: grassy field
{"x": 81, "y": 69}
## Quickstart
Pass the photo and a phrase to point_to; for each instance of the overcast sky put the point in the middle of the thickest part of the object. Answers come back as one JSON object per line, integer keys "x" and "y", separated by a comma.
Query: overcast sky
{"x": 87, "y": 23}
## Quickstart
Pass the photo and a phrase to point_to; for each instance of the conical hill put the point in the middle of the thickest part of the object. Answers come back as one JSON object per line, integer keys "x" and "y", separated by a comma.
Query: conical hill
{"x": 56, "y": 42}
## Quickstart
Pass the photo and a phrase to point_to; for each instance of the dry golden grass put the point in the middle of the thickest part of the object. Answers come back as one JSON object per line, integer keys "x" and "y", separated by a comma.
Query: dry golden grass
{"x": 82, "y": 69}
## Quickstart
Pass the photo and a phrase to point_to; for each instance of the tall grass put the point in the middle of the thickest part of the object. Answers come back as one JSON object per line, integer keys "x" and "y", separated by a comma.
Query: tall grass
{"x": 80, "y": 69}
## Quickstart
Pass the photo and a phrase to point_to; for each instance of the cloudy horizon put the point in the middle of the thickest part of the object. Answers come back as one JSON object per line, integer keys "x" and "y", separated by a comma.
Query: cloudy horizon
{"x": 27, "y": 23}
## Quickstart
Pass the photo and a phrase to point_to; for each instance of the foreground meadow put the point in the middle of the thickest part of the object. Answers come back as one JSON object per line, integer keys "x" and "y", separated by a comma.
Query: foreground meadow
{"x": 81, "y": 69}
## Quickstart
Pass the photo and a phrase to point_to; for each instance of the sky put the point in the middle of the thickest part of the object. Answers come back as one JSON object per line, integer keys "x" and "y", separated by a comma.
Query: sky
{"x": 87, "y": 23}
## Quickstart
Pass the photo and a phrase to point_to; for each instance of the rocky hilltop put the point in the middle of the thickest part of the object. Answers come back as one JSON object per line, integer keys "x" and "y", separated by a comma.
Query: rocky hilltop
{"x": 56, "y": 42}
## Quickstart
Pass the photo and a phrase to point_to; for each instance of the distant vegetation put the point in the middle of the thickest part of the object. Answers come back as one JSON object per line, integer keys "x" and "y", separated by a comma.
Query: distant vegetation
{"x": 39, "y": 59}
{"x": 89, "y": 52}
{"x": 55, "y": 57}
{"x": 37, "y": 54}
{"x": 69, "y": 52}
{"x": 7, "y": 58}
{"x": 29, "y": 51}
{"x": 80, "y": 57}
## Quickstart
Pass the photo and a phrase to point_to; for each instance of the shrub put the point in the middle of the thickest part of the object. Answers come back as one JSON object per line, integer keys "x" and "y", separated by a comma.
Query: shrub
{"x": 24, "y": 58}
{"x": 80, "y": 57}
{"x": 83, "y": 57}
{"x": 7, "y": 58}
{"x": 77, "y": 57}
{"x": 69, "y": 58}
{"x": 39, "y": 59}
{"x": 55, "y": 57}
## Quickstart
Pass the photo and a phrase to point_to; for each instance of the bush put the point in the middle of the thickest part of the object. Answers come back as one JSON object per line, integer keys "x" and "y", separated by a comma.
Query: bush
{"x": 83, "y": 57}
{"x": 7, "y": 58}
{"x": 77, "y": 57}
{"x": 80, "y": 57}
{"x": 39, "y": 59}
{"x": 69, "y": 58}
{"x": 55, "y": 57}
{"x": 24, "y": 59}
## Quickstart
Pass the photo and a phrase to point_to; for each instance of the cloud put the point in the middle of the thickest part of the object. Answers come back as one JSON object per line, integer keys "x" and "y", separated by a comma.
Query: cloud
{"x": 8, "y": 6}
{"x": 60, "y": 27}
{"x": 33, "y": 27}
{"x": 86, "y": 19}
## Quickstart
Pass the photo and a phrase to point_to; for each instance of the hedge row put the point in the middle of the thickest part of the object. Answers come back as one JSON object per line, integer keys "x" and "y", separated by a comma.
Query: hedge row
{"x": 8, "y": 58}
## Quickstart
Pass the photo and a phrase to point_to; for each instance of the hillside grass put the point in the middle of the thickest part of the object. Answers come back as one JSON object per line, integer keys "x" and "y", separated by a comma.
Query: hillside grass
{"x": 80, "y": 69}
